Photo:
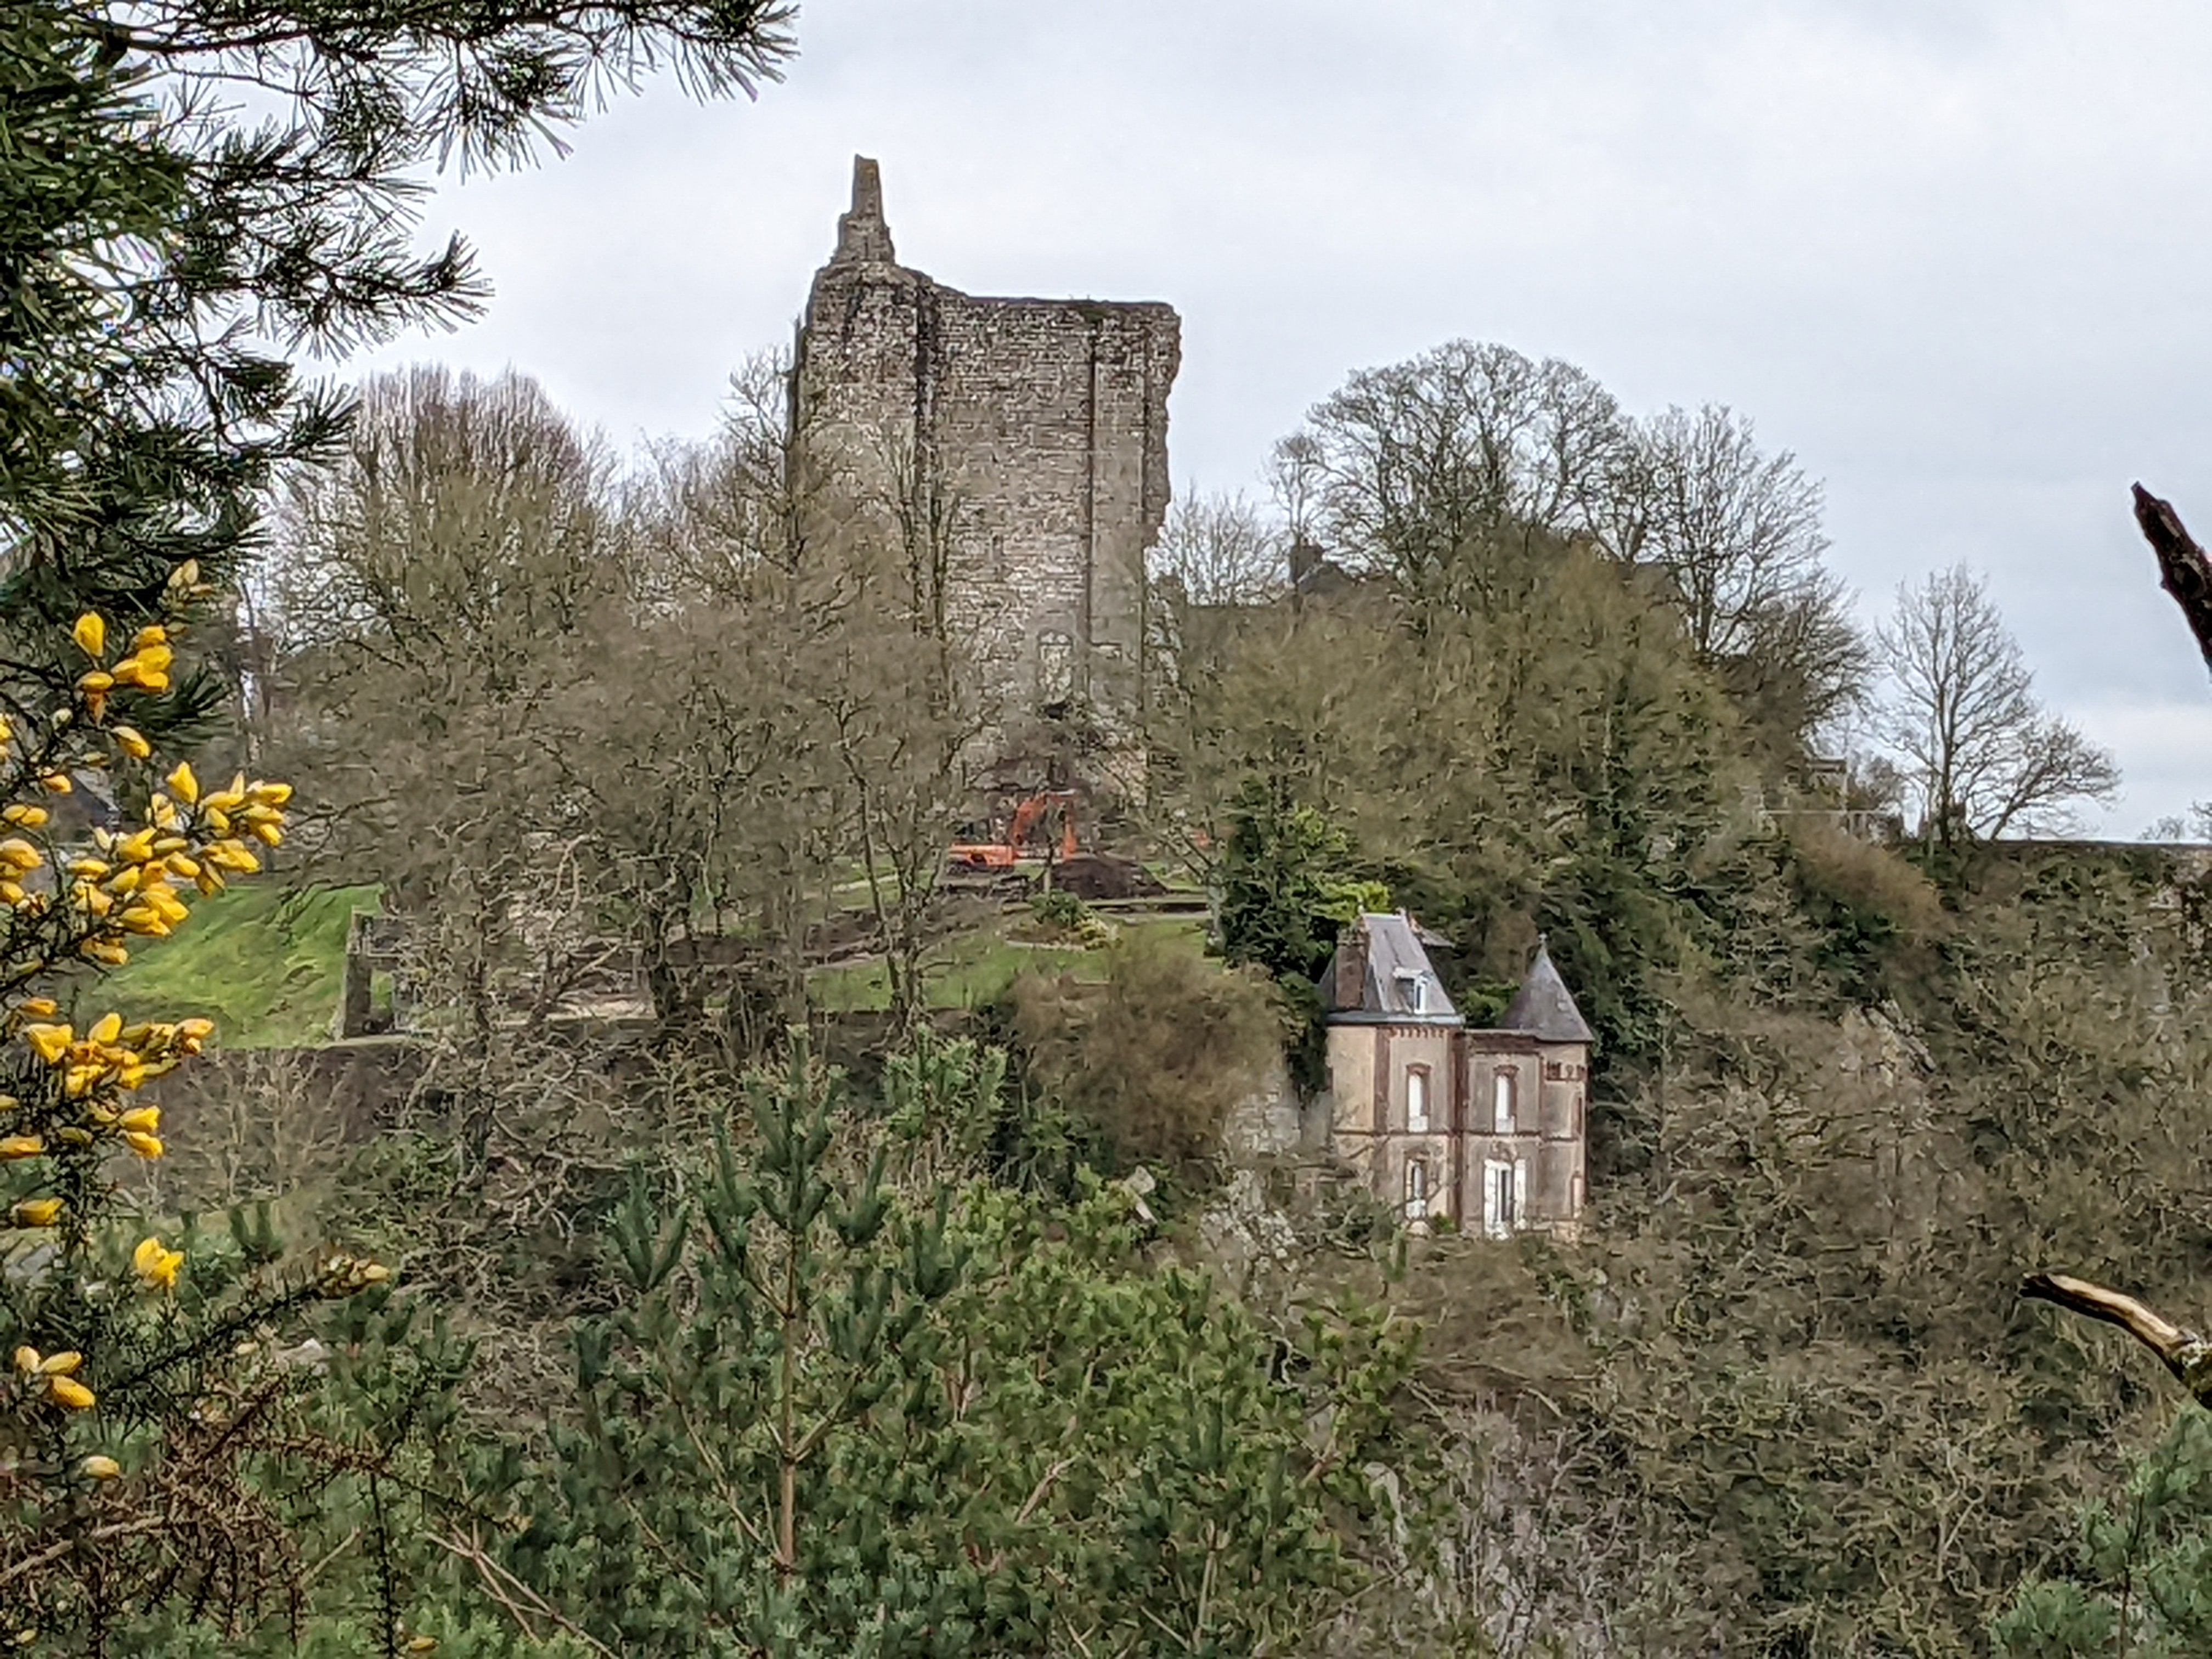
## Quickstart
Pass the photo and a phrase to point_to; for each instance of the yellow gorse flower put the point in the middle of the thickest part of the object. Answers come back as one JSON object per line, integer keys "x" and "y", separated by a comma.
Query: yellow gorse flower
{"x": 99, "y": 1468}
{"x": 90, "y": 633}
{"x": 54, "y": 1373}
{"x": 50, "y": 1043}
{"x": 37, "y": 1212}
{"x": 146, "y": 667}
{"x": 156, "y": 1264}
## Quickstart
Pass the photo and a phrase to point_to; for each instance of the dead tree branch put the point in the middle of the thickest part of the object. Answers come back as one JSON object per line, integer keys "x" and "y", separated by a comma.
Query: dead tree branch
{"x": 2186, "y": 1354}
{"x": 2184, "y": 571}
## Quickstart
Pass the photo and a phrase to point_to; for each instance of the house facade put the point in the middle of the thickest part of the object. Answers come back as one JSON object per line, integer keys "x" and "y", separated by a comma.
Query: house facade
{"x": 1486, "y": 1128}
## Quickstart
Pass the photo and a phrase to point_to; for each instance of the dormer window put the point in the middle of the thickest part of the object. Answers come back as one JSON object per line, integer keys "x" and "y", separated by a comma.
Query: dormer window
{"x": 1413, "y": 991}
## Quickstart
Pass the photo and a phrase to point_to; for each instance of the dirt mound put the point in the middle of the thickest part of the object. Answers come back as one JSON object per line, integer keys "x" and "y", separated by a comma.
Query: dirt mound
{"x": 1101, "y": 876}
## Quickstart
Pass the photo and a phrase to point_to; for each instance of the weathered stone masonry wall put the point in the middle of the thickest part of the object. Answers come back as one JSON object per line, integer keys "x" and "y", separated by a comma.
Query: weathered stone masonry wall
{"x": 1045, "y": 421}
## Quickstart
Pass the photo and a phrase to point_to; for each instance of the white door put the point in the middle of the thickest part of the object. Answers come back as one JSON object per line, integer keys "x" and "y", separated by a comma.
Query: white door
{"x": 1498, "y": 1193}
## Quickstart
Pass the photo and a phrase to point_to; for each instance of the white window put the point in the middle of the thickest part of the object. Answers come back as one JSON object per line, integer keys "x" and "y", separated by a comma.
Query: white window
{"x": 1501, "y": 1103}
{"x": 1413, "y": 991}
{"x": 1504, "y": 1196}
{"x": 1417, "y": 1189}
{"x": 1417, "y": 1102}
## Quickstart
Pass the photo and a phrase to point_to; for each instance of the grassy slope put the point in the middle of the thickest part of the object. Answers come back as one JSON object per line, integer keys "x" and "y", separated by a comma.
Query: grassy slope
{"x": 974, "y": 968}
{"x": 262, "y": 962}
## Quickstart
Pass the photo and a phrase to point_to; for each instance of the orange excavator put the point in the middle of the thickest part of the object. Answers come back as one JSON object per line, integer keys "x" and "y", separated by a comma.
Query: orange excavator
{"x": 1028, "y": 836}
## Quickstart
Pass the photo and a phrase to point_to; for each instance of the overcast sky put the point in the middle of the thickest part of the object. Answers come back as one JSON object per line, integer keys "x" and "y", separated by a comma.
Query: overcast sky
{"x": 1951, "y": 252}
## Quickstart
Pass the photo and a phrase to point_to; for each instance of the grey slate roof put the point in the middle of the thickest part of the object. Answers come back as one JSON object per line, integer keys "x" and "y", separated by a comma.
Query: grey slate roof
{"x": 1395, "y": 956}
{"x": 1544, "y": 1008}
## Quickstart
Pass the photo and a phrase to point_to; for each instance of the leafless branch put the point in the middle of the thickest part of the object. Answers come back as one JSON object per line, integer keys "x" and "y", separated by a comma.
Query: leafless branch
{"x": 2184, "y": 571}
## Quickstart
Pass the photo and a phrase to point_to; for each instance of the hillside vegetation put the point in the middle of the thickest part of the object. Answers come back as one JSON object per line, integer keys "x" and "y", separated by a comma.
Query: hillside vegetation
{"x": 918, "y": 1361}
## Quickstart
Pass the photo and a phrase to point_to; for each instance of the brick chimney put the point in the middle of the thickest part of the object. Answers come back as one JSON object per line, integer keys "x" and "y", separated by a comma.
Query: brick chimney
{"x": 1350, "y": 991}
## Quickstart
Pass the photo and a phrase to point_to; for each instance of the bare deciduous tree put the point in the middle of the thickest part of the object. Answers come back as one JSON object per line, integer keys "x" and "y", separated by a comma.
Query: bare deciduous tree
{"x": 1422, "y": 461}
{"x": 1221, "y": 549}
{"x": 1736, "y": 532}
{"x": 1981, "y": 755}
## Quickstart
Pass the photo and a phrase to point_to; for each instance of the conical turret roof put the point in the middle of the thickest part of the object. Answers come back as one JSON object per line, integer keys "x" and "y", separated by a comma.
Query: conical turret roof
{"x": 1544, "y": 1008}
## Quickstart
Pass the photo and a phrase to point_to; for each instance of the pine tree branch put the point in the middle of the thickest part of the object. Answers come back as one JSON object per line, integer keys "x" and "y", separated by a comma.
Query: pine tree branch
{"x": 2185, "y": 570}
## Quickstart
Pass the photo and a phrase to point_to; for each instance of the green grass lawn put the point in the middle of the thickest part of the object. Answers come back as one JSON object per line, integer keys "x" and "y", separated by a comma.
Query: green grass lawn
{"x": 265, "y": 963}
{"x": 262, "y": 963}
{"x": 976, "y": 968}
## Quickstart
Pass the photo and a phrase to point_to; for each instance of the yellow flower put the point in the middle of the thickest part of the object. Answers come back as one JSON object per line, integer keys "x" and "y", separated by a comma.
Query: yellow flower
{"x": 16, "y": 1146}
{"x": 55, "y": 783}
{"x": 106, "y": 952}
{"x": 26, "y": 1360}
{"x": 182, "y": 784}
{"x": 52, "y": 1041}
{"x": 38, "y": 1007}
{"x": 68, "y": 1391}
{"x": 60, "y": 1364}
{"x": 37, "y": 1212}
{"x": 105, "y": 1028}
{"x": 24, "y": 817}
{"x": 231, "y": 856}
{"x": 145, "y": 1146}
{"x": 156, "y": 1265}
{"x": 141, "y": 1119}
{"x": 152, "y": 634}
{"x": 97, "y": 1467}
{"x": 147, "y": 666}
{"x": 269, "y": 794}
{"x": 132, "y": 742}
{"x": 90, "y": 633}
{"x": 95, "y": 682}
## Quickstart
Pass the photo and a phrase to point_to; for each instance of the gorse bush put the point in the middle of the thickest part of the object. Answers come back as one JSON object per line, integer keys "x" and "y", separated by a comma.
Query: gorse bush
{"x": 140, "y": 1390}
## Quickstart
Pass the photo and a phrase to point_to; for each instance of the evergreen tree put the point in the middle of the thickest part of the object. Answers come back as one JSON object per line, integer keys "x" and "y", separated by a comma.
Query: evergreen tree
{"x": 829, "y": 1418}
{"x": 1288, "y": 884}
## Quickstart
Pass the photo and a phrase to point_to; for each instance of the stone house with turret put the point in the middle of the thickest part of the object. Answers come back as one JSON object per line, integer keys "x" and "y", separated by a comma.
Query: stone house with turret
{"x": 1486, "y": 1129}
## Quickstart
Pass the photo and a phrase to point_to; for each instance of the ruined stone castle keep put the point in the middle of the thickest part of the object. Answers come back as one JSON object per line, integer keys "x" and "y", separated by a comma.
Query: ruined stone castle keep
{"x": 1022, "y": 443}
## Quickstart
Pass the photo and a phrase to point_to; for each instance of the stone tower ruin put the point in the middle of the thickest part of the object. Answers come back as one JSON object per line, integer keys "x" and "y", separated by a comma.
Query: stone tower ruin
{"x": 1023, "y": 441}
